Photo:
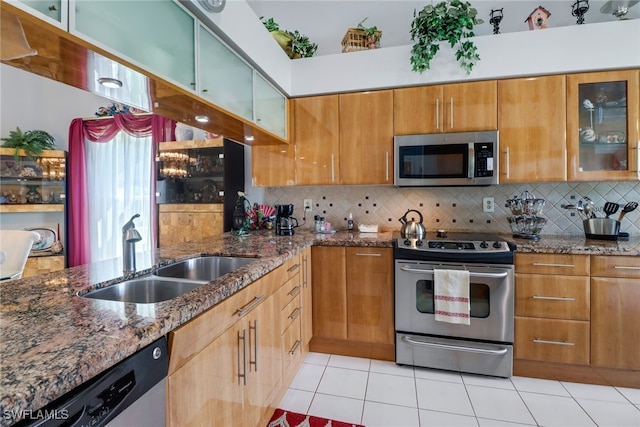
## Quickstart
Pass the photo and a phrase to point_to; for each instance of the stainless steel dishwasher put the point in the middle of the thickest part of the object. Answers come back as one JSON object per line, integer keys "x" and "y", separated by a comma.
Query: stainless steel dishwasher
{"x": 132, "y": 393}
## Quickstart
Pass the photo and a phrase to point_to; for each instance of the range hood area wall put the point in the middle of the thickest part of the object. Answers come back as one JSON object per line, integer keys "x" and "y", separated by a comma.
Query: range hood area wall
{"x": 453, "y": 208}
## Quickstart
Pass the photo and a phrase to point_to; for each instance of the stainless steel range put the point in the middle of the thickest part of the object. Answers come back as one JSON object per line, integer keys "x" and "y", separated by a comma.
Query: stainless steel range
{"x": 485, "y": 345}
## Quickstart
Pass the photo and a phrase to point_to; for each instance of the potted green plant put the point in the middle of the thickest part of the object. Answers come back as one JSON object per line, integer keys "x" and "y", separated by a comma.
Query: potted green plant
{"x": 295, "y": 44}
{"x": 451, "y": 21}
{"x": 32, "y": 142}
{"x": 372, "y": 34}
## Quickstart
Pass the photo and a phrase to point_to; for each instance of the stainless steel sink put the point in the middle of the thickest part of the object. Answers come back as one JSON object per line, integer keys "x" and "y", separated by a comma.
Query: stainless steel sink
{"x": 171, "y": 281}
{"x": 145, "y": 290}
{"x": 203, "y": 268}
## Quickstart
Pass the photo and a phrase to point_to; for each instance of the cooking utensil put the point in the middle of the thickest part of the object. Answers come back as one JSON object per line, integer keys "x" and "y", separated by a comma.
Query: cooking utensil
{"x": 412, "y": 229}
{"x": 610, "y": 208}
{"x": 588, "y": 207}
{"x": 629, "y": 207}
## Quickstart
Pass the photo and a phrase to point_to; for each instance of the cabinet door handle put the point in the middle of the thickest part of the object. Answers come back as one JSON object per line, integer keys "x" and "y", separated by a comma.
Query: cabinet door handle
{"x": 306, "y": 271}
{"x": 437, "y": 113}
{"x": 544, "y": 264}
{"x": 295, "y": 313}
{"x": 386, "y": 166}
{"x": 553, "y": 298}
{"x": 254, "y": 362}
{"x": 624, "y": 267}
{"x": 250, "y": 306}
{"x": 506, "y": 162}
{"x": 294, "y": 291}
{"x": 295, "y": 347}
{"x": 539, "y": 341}
{"x": 242, "y": 367}
{"x": 451, "y": 114}
{"x": 293, "y": 268}
{"x": 333, "y": 176}
{"x": 360, "y": 254}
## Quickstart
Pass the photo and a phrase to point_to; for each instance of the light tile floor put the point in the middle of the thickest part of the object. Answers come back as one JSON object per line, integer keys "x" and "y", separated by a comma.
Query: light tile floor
{"x": 377, "y": 393}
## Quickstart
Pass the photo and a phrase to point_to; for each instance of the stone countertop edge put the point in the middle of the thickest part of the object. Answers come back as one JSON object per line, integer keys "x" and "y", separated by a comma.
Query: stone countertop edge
{"x": 52, "y": 340}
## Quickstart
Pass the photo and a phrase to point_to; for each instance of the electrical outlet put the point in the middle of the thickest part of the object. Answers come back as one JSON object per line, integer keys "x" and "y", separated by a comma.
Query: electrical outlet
{"x": 308, "y": 205}
{"x": 487, "y": 204}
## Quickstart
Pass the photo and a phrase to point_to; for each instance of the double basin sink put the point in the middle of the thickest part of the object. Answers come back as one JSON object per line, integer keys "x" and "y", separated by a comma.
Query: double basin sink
{"x": 171, "y": 281}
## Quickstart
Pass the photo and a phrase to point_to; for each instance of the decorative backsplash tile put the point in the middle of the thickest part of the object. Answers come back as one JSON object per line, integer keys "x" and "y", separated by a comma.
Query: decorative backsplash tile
{"x": 455, "y": 208}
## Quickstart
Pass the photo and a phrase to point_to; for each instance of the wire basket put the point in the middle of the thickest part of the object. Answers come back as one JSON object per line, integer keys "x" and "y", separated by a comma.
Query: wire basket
{"x": 355, "y": 40}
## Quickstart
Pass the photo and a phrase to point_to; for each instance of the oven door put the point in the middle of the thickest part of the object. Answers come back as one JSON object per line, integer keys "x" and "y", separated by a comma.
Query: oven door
{"x": 491, "y": 301}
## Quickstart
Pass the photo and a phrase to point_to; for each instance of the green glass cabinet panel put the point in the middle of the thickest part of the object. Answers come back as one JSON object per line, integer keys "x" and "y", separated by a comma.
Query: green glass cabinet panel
{"x": 157, "y": 34}
{"x": 271, "y": 110}
{"x": 225, "y": 79}
{"x": 49, "y": 8}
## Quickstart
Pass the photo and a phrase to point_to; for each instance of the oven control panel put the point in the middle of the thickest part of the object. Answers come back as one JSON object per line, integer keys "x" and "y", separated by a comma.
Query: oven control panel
{"x": 454, "y": 246}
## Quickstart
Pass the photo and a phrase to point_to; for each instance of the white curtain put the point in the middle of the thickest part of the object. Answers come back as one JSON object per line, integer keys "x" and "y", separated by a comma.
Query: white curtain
{"x": 119, "y": 186}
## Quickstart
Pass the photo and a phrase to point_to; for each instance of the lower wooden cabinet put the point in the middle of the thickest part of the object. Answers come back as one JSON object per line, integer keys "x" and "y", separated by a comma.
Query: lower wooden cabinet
{"x": 353, "y": 301}
{"x": 615, "y": 310}
{"x": 329, "y": 292}
{"x": 208, "y": 387}
{"x": 235, "y": 378}
{"x": 552, "y": 308}
{"x": 576, "y": 318}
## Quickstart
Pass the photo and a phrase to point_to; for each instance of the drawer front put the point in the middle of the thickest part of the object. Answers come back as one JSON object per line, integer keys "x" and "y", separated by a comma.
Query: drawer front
{"x": 553, "y": 297}
{"x": 192, "y": 337}
{"x": 568, "y": 265}
{"x": 289, "y": 291}
{"x": 550, "y": 340}
{"x": 291, "y": 345}
{"x": 290, "y": 313}
{"x": 615, "y": 266}
{"x": 292, "y": 267}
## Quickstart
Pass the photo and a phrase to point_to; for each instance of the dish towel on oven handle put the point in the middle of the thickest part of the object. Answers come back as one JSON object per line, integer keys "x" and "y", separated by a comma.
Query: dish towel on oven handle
{"x": 451, "y": 295}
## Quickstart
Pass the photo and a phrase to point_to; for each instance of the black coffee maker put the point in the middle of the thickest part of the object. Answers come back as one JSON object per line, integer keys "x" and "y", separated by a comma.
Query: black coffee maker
{"x": 285, "y": 222}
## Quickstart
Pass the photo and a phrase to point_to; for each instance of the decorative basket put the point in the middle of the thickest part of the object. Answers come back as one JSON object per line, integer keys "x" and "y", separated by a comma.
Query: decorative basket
{"x": 355, "y": 39}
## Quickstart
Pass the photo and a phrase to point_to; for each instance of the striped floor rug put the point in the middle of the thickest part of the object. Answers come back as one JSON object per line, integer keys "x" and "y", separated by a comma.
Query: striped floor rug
{"x": 282, "y": 418}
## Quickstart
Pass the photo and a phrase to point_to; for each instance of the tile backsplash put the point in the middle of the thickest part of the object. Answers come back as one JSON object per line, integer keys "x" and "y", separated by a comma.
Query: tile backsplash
{"x": 455, "y": 208}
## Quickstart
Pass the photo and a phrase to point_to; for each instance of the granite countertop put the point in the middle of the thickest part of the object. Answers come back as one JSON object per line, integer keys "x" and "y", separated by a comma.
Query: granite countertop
{"x": 52, "y": 340}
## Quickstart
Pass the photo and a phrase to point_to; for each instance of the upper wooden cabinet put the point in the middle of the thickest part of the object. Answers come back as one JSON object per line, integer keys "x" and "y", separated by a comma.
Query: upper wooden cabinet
{"x": 316, "y": 136}
{"x": 273, "y": 165}
{"x": 532, "y": 125}
{"x": 458, "y": 107}
{"x": 366, "y": 138}
{"x": 602, "y": 125}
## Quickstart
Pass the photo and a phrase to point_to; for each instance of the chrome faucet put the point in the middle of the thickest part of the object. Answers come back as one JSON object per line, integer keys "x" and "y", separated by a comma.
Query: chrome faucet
{"x": 129, "y": 238}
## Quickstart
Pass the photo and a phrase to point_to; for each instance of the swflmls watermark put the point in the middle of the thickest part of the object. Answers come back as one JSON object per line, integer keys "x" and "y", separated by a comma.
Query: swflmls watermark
{"x": 40, "y": 414}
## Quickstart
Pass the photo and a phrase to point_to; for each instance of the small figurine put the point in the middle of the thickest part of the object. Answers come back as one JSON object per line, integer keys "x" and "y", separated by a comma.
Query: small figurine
{"x": 538, "y": 18}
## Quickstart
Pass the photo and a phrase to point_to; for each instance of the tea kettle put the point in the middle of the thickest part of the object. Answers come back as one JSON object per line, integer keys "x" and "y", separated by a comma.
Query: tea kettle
{"x": 412, "y": 229}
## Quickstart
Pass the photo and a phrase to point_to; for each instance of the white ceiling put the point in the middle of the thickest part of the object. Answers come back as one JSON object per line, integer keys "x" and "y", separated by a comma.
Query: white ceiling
{"x": 326, "y": 21}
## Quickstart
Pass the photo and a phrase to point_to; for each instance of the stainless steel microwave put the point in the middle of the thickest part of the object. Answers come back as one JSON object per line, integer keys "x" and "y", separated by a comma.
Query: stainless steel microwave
{"x": 446, "y": 159}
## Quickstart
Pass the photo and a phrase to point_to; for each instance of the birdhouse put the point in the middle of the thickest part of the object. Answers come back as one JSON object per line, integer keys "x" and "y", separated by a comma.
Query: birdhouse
{"x": 538, "y": 18}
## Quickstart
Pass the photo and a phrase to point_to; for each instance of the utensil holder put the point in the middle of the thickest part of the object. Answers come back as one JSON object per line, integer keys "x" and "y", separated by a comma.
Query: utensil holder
{"x": 601, "y": 228}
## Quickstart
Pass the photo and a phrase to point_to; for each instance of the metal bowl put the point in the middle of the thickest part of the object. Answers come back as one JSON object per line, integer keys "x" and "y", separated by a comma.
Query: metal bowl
{"x": 601, "y": 228}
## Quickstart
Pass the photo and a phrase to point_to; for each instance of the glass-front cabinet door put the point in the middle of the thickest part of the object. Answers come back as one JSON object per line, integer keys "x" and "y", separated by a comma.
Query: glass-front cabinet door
{"x": 270, "y": 107}
{"x": 602, "y": 126}
{"x": 52, "y": 11}
{"x": 225, "y": 79}
{"x": 159, "y": 35}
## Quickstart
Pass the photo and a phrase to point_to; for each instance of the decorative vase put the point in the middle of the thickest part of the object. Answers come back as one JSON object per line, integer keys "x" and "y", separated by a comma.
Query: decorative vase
{"x": 183, "y": 132}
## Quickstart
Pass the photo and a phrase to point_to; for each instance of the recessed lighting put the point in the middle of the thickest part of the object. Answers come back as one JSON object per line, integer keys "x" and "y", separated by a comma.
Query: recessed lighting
{"x": 202, "y": 119}
{"x": 110, "y": 82}
{"x": 248, "y": 138}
